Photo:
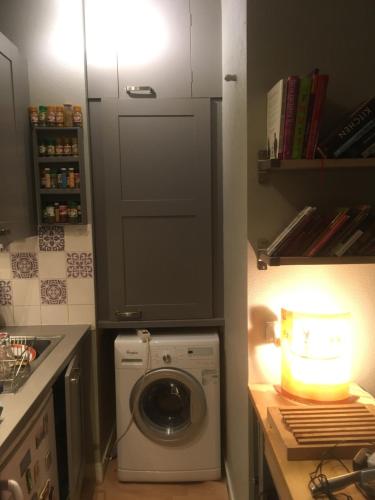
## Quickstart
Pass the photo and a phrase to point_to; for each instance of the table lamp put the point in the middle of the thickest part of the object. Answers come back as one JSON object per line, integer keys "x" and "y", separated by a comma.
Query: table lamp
{"x": 315, "y": 356}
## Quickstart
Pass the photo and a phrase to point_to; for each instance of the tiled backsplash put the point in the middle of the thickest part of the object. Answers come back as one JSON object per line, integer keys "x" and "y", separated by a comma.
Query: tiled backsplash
{"x": 48, "y": 279}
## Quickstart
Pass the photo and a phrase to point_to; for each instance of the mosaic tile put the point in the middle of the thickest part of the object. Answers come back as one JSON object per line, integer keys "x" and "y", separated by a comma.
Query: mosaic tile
{"x": 79, "y": 264}
{"x": 5, "y": 293}
{"x": 24, "y": 265}
{"x": 53, "y": 291}
{"x": 51, "y": 239}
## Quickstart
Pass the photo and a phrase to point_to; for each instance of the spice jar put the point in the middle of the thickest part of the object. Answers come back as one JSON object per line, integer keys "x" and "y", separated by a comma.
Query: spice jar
{"x": 53, "y": 179}
{"x": 74, "y": 146}
{"x": 33, "y": 114}
{"x": 79, "y": 213}
{"x": 68, "y": 115}
{"x": 42, "y": 115}
{"x": 57, "y": 211}
{"x": 77, "y": 116}
{"x": 50, "y": 214}
{"x": 67, "y": 147}
{"x": 59, "y": 116}
{"x": 50, "y": 147}
{"x": 59, "y": 148}
{"x": 46, "y": 178}
{"x": 72, "y": 212}
{"x": 51, "y": 116}
{"x": 71, "y": 178}
{"x": 77, "y": 179}
{"x": 42, "y": 148}
{"x": 62, "y": 179}
{"x": 63, "y": 213}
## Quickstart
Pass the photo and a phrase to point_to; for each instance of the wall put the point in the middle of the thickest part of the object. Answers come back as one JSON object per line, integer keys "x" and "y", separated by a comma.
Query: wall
{"x": 334, "y": 36}
{"x": 234, "y": 192}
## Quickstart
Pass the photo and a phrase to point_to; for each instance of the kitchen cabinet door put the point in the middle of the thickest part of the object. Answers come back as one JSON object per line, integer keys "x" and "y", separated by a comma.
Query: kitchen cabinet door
{"x": 154, "y": 47}
{"x": 16, "y": 206}
{"x": 156, "y": 169}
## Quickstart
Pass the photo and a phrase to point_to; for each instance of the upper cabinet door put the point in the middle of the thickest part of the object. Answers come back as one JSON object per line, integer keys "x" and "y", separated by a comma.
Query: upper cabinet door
{"x": 16, "y": 208}
{"x": 154, "y": 48}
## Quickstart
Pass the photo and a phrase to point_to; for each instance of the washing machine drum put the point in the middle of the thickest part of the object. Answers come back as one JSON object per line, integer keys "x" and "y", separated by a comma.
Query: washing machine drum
{"x": 168, "y": 406}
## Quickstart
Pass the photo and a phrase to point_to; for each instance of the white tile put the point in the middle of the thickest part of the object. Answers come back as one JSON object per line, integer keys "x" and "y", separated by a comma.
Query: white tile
{"x": 82, "y": 315}
{"x": 6, "y": 316}
{"x": 26, "y": 315}
{"x": 78, "y": 238}
{"x": 80, "y": 291}
{"x": 52, "y": 265}
{"x": 26, "y": 292}
{"x": 26, "y": 245}
{"x": 54, "y": 315}
{"x": 5, "y": 270}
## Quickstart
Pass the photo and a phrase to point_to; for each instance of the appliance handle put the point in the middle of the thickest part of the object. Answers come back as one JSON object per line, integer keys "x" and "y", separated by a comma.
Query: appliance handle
{"x": 13, "y": 487}
{"x": 140, "y": 91}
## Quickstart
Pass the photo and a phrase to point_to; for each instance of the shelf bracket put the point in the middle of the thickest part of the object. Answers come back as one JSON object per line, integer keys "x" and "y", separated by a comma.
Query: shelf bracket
{"x": 261, "y": 248}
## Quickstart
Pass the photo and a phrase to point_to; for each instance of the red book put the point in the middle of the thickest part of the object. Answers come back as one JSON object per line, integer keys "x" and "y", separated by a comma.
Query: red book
{"x": 316, "y": 116}
{"x": 290, "y": 115}
{"x": 335, "y": 225}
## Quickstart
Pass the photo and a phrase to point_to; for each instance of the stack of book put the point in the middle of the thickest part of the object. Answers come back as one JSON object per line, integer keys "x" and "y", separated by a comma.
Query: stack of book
{"x": 354, "y": 137}
{"x": 294, "y": 113}
{"x": 337, "y": 232}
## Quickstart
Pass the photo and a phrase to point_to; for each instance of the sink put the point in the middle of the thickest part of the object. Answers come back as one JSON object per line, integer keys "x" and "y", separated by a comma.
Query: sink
{"x": 43, "y": 347}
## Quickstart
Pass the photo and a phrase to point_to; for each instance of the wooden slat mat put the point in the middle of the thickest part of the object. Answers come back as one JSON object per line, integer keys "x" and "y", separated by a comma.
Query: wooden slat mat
{"x": 309, "y": 431}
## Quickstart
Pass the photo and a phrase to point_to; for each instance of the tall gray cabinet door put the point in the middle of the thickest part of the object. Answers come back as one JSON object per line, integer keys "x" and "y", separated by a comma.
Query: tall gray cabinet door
{"x": 15, "y": 171}
{"x": 158, "y": 200}
{"x": 154, "y": 47}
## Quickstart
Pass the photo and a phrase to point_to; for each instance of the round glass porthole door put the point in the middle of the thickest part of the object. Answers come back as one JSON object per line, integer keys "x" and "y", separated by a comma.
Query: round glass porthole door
{"x": 169, "y": 405}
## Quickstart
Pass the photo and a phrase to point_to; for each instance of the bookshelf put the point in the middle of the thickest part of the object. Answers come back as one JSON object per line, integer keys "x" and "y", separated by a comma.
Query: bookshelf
{"x": 264, "y": 260}
{"x": 278, "y": 167}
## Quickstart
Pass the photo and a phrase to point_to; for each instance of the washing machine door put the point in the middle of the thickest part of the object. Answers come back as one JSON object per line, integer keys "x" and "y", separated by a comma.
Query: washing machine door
{"x": 168, "y": 405}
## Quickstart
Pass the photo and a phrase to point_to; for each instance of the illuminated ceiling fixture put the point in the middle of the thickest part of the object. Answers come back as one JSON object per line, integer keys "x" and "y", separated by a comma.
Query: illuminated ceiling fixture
{"x": 315, "y": 355}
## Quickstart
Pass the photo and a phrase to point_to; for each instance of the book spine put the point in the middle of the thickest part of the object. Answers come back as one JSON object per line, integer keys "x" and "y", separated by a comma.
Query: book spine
{"x": 354, "y": 138}
{"x": 316, "y": 115}
{"x": 336, "y": 224}
{"x": 348, "y": 128}
{"x": 314, "y": 83}
{"x": 282, "y": 121}
{"x": 301, "y": 116}
{"x": 344, "y": 247}
{"x": 271, "y": 249}
{"x": 290, "y": 115}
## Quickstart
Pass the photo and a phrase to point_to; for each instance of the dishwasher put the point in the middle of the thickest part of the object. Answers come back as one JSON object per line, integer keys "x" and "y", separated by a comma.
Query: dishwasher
{"x": 29, "y": 471}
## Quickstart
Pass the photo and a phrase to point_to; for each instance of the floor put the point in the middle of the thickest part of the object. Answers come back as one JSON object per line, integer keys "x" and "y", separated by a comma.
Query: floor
{"x": 111, "y": 489}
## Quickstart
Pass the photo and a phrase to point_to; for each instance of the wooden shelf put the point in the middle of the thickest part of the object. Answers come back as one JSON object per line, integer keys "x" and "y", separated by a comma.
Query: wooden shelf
{"x": 60, "y": 191}
{"x": 58, "y": 159}
{"x": 49, "y": 129}
{"x": 265, "y": 260}
{"x": 266, "y": 167}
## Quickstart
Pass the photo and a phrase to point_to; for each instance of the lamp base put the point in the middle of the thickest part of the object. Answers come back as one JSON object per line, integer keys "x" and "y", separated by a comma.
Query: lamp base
{"x": 351, "y": 399}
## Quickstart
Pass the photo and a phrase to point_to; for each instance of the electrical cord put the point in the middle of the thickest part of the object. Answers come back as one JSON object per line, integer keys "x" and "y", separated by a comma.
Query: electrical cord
{"x": 147, "y": 339}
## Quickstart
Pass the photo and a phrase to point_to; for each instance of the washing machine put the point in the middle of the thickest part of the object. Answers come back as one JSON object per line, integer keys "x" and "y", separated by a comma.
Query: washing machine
{"x": 168, "y": 407}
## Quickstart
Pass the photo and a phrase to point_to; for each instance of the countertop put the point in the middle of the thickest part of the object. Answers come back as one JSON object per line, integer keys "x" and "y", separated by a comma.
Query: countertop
{"x": 291, "y": 477}
{"x": 18, "y": 407}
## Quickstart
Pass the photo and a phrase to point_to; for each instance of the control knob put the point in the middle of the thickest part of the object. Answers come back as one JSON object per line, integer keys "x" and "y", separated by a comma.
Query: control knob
{"x": 167, "y": 358}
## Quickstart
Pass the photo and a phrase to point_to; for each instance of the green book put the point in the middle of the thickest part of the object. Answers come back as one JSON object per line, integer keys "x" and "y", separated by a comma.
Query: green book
{"x": 301, "y": 116}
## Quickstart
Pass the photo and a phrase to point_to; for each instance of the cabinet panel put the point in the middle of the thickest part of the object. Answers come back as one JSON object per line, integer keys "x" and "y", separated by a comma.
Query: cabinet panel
{"x": 15, "y": 171}
{"x": 154, "y": 46}
{"x": 158, "y": 208}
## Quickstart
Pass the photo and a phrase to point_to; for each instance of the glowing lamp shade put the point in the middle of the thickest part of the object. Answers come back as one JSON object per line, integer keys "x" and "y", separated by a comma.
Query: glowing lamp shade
{"x": 315, "y": 355}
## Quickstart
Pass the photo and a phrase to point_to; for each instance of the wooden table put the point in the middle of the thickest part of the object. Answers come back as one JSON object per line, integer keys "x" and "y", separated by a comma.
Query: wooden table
{"x": 291, "y": 477}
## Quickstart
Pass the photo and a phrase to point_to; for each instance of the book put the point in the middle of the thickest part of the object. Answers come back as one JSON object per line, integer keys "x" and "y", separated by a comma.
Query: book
{"x": 364, "y": 147}
{"x": 276, "y": 100}
{"x": 279, "y": 239}
{"x": 314, "y": 81}
{"x": 348, "y": 127}
{"x": 357, "y": 216}
{"x": 342, "y": 248}
{"x": 316, "y": 115}
{"x": 290, "y": 115}
{"x": 335, "y": 225}
{"x": 295, "y": 234}
{"x": 306, "y": 236}
{"x": 301, "y": 116}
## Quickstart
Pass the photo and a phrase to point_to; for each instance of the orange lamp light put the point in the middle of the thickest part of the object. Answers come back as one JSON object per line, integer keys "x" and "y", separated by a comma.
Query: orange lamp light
{"x": 315, "y": 355}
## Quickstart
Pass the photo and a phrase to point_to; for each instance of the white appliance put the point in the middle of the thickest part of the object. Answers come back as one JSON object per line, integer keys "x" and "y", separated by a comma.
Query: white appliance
{"x": 175, "y": 433}
{"x": 30, "y": 470}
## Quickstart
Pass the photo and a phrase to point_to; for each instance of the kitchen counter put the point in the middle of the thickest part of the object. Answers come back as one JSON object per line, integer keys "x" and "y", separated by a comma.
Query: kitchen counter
{"x": 18, "y": 407}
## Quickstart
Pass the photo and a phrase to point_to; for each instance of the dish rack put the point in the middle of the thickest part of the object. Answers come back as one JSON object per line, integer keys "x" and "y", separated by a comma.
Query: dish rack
{"x": 15, "y": 357}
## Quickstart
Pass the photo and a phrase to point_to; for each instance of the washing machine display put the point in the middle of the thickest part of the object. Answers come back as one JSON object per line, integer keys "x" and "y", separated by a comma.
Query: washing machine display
{"x": 168, "y": 405}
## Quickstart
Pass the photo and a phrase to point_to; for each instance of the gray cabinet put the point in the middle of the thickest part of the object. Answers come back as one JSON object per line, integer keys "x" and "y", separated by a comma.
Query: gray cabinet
{"x": 172, "y": 46}
{"x": 152, "y": 187}
{"x": 16, "y": 206}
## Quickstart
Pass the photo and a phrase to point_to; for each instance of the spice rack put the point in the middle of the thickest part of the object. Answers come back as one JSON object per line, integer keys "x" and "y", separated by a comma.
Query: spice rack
{"x": 59, "y": 178}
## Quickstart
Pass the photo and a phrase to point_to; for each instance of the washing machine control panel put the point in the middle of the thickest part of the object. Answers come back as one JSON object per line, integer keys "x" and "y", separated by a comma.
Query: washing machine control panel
{"x": 182, "y": 356}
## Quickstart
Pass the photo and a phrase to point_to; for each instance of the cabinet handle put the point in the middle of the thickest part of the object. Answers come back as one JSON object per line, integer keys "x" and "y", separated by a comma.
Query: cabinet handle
{"x": 128, "y": 315}
{"x": 230, "y": 78}
{"x": 4, "y": 231}
{"x": 140, "y": 91}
